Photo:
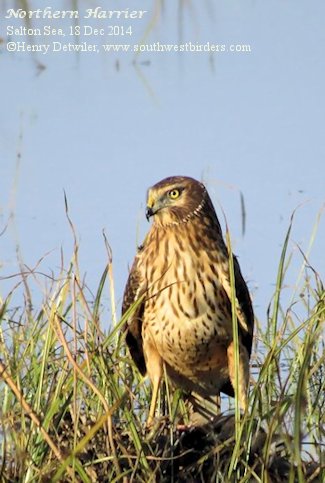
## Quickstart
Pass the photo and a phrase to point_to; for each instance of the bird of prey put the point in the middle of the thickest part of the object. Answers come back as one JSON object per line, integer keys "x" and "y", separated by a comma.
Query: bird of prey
{"x": 179, "y": 286}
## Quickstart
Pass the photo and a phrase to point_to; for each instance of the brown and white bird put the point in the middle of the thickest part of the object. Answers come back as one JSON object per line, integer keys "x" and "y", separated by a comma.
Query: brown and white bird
{"x": 181, "y": 280}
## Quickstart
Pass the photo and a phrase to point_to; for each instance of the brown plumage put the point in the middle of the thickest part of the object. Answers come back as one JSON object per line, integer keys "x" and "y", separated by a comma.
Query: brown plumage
{"x": 181, "y": 277}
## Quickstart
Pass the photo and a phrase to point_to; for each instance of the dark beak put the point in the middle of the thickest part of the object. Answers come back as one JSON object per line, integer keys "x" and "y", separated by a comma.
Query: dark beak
{"x": 149, "y": 213}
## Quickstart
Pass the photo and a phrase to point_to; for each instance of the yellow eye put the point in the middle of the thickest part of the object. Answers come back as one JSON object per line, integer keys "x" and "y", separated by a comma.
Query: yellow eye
{"x": 173, "y": 194}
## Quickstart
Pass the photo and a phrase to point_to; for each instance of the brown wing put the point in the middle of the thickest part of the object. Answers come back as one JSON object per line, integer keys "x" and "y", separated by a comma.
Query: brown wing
{"x": 134, "y": 290}
{"x": 245, "y": 303}
{"x": 246, "y": 328}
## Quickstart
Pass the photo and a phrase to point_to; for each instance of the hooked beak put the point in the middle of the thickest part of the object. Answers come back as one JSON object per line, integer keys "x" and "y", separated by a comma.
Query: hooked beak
{"x": 149, "y": 213}
{"x": 151, "y": 205}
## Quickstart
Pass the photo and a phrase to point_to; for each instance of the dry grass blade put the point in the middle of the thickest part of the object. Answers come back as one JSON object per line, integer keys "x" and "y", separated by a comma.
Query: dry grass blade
{"x": 28, "y": 410}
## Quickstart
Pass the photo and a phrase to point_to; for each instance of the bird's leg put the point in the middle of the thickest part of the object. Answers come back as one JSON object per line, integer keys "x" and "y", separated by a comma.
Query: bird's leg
{"x": 154, "y": 397}
{"x": 154, "y": 368}
{"x": 243, "y": 373}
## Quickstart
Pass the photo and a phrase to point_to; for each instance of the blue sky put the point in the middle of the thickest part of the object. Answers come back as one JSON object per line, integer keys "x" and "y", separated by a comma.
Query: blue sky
{"x": 243, "y": 122}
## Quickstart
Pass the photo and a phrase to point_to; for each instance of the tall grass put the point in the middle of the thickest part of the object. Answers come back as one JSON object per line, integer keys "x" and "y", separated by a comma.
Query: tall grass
{"x": 73, "y": 405}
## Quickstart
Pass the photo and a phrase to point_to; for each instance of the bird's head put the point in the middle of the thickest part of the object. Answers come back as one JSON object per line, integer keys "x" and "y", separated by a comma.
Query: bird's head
{"x": 176, "y": 200}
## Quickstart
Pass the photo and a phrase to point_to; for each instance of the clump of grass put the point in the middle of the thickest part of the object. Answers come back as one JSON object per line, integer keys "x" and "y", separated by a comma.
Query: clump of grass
{"x": 73, "y": 405}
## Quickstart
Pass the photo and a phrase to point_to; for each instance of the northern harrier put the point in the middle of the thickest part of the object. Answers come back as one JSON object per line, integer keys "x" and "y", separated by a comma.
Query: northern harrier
{"x": 181, "y": 278}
